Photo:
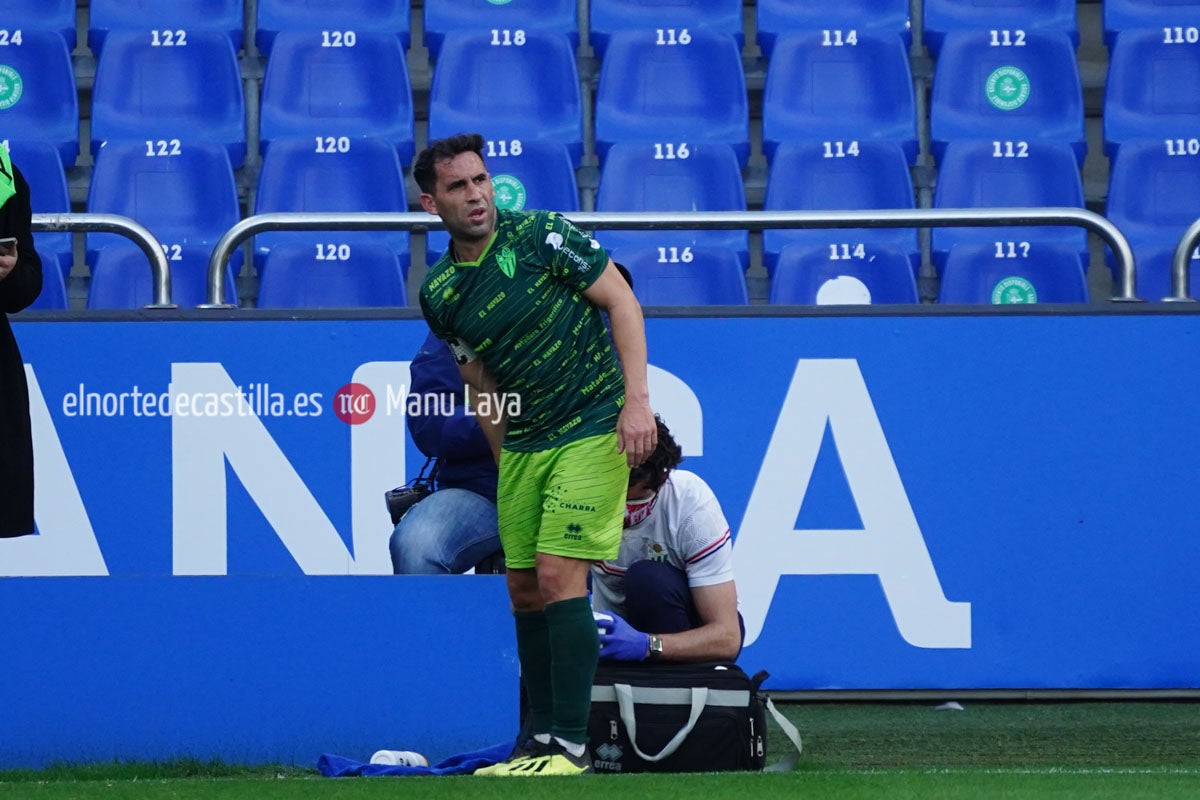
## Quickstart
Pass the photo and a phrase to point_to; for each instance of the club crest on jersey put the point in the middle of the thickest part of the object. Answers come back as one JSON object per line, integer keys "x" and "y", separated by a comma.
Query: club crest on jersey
{"x": 507, "y": 260}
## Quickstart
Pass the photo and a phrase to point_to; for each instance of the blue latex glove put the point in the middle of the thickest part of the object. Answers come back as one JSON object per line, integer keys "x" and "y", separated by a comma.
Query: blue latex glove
{"x": 619, "y": 641}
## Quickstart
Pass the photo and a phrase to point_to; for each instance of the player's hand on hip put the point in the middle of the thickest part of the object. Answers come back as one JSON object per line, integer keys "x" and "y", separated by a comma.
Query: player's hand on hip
{"x": 637, "y": 432}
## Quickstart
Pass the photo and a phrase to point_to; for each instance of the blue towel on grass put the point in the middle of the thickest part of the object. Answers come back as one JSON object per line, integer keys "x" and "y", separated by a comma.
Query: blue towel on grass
{"x": 332, "y": 766}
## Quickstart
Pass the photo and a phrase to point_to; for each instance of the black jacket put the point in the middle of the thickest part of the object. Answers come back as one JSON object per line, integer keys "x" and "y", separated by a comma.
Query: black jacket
{"x": 17, "y": 290}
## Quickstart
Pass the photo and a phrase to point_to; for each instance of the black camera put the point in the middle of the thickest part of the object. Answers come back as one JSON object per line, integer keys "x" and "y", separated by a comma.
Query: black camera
{"x": 403, "y": 498}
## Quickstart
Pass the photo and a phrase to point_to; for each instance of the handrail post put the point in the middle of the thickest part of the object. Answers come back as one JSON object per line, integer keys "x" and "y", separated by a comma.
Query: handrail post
{"x": 160, "y": 271}
{"x": 1180, "y": 274}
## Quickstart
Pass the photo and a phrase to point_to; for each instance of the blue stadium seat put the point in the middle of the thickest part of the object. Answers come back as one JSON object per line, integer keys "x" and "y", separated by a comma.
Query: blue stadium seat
{"x": 654, "y": 92}
{"x": 170, "y": 18}
{"x": 300, "y": 276}
{"x": 122, "y": 279}
{"x": 808, "y": 275}
{"x": 42, "y": 167}
{"x": 53, "y": 296}
{"x": 670, "y": 16}
{"x": 706, "y": 276}
{"x": 1153, "y": 196}
{"x": 820, "y": 176}
{"x": 983, "y": 174}
{"x": 38, "y": 97}
{"x": 311, "y": 90}
{"x": 640, "y": 177}
{"x": 186, "y": 197}
{"x": 1153, "y": 88}
{"x": 777, "y": 17}
{"x": 1039, "y": 273}
{"x": 1122, "y": 15}
{"x": 526, "y": 175}
{"x": 1010, "y": 19}
{"x": 552, "y": 16}
{"x": 189, "y": 91}
{"x": 335, "y": 17}
{"x": 42, "y": 15}
{"x": 365, "y": 176}
{"x": 819, "y": 90}
{"x": 1010, "y": 93}
{"x": 508, "y": 91}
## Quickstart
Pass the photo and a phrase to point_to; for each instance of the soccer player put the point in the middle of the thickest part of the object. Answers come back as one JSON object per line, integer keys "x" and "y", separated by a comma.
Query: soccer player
{"x": 517, "y": 297}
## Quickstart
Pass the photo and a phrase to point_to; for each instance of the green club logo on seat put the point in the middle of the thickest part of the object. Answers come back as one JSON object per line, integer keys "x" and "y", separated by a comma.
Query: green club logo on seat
{"x": 1013, "y": 290}
{"x": 510, "y": 192}
{"x": 1007, "y": 88}
{"x": 11, "y": 86}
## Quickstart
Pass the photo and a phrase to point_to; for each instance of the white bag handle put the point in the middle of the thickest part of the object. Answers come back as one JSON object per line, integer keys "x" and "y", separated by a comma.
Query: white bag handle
{"x": 625, "y": 704}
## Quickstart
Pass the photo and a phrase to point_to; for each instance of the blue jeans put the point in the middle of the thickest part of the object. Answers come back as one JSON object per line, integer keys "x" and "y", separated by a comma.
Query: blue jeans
{"x": 446, "y": 533}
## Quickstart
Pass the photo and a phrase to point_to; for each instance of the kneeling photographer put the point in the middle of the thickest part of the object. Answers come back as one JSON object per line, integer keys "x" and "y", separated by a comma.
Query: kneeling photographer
{"x": 452, "y": 528}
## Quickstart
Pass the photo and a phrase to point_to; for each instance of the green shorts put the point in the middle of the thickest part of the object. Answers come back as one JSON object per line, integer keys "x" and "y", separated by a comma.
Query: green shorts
{"x": 566, "y": 501}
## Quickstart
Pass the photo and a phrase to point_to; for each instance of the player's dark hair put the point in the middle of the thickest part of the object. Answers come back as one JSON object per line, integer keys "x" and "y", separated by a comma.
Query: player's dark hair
{"x": 666, "y": 457}
{"x": 424, "y": 167}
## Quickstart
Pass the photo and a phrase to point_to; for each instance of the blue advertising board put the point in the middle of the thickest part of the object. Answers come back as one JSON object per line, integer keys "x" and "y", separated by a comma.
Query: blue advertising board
{"x": 987, "y": 501}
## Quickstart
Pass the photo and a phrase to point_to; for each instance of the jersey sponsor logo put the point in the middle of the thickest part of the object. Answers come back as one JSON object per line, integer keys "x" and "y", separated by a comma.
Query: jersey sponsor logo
{"x": 555, "y": 240}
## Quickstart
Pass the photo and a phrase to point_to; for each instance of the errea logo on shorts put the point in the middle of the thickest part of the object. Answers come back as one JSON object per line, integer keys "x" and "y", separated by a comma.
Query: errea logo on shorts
{"x": 11, "y": 86}
{"x": 1007, "y": 88}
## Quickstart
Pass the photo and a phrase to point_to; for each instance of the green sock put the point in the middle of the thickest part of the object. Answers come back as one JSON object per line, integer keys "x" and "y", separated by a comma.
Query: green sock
{"x": 533, "y": 650}
{"x": 574, "y": 646}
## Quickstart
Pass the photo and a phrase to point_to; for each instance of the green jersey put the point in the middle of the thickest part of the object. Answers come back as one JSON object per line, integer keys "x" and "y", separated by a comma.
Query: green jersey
{"x": 520, "y": 308}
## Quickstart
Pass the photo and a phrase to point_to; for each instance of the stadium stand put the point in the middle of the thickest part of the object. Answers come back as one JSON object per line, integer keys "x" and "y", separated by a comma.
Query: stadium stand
{"x": 816, "y": 275}
{"x": 335, "y": 17}
{"x": 985, "y": 89}
{"x": 53, "y": 296}
{"x": 670, "y": 19}
{"x": 1176, "y": 17}
{"x": 774, "y": 18}
{"x": 189, "y": 89}
{"x": 172, "y": 18}
{"x": 807, "y": 176}
{"x": 39, "y": 100}
{"x": 533, "y": 174}
{"x": 507, "y": 90}
{"x": 1010, "y": 19}
{"x": 185, "y": 195}
{"x": 1037, "y": 272}
{"x": 315, "y": 91}
{"x": 506, "y": 19}
{"x": 652, "y": 90}
{"x": 121, "y": 278}
{"x": 362, "y": 175}
{"x": 982, "y": 174}
{"x": 1153, "y": 196}
{"x": 702, "y": 276}
{"x": 348, "y": 276}
{"x": 673, "y": 177}
{"x": 42, "y": 15}
{"x": 1153, "y": 87}
{"x": 42, "y": 167}
{"x": 839, "y": 85}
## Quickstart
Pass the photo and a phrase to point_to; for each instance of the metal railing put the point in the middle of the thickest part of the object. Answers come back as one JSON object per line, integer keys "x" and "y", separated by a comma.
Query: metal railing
{"x": 1180, "y": 278}
{"x": 689, "y": 220}
{"x": 131, "y": 229}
